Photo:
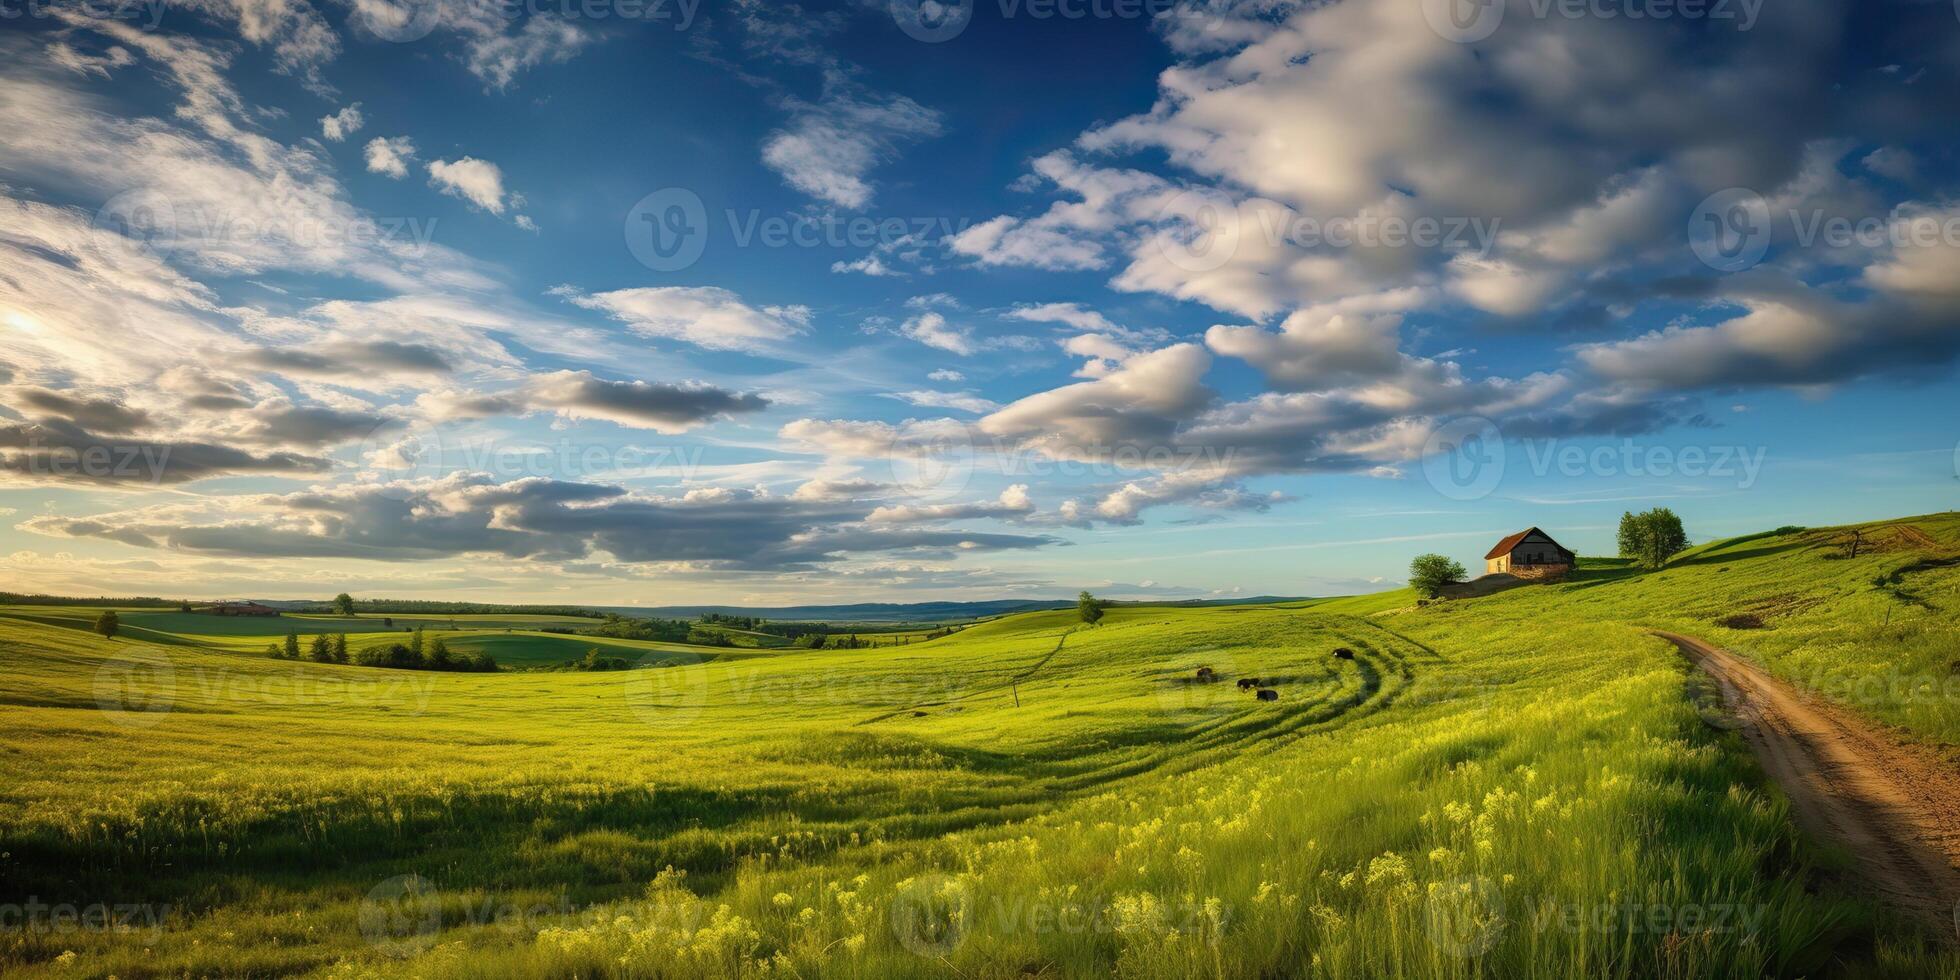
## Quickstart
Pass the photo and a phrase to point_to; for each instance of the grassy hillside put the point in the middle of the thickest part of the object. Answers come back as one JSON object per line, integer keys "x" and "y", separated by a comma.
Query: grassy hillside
{"x": 1521, "y": 784}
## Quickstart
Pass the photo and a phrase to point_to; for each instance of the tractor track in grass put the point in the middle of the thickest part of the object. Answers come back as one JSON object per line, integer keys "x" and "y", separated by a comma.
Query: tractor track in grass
{"x": 1893, "y": 807}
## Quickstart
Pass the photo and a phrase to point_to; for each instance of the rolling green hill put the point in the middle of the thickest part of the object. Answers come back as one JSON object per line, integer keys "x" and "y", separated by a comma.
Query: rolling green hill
{"x": 1521, "y": 784}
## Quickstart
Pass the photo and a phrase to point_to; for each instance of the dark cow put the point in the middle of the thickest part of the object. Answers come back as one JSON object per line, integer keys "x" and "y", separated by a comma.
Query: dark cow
{"x": 1268, "y": 694}
{"x": 1205, "y": 674}
{"x": 1248, "y": 683}
{"x": 1343, "y": 653}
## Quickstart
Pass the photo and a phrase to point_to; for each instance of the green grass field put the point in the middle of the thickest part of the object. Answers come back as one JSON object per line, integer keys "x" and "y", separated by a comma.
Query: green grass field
{"x": 1518, "y": 785}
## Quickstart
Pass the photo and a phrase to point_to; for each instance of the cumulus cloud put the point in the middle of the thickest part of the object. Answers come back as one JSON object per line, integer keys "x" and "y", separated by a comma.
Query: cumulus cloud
{"x": 932, "y": 330}
{"x": 852, "y": 438}
{"x": 666, "y": 408}
{"x": 705, "y": 316}
{"x": 390, "y": 156}
{"x": 580, "y": 395}
{"x": 532, "y": 519}
{"x": 59, "y": 452}
{"x": 479, "y": 182}
{"x": 1140, "y": 403}
{"x": 94, "y": 414}
{"x": 1316, "y": 350}
{"x": 1013, "y": 502}
{"x": 342, "y": 124}
{"x": 347, "y": 357}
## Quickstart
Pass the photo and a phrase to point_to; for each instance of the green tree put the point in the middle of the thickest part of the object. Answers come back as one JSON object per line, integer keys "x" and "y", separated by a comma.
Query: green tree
{"x": 415, "y": 642}
{"x": 322, "y": 649}
{"x": 1651, "y": 537}
{"x": 292, "y": 646}
{"x": 1429, "y": 573}
{"x": 1089, "y": 608}
{"x": 344, "y": 604}
{"x": 107, "y": 624}
{"x": 437, "y": 654}
{"x": 340, "y": 648}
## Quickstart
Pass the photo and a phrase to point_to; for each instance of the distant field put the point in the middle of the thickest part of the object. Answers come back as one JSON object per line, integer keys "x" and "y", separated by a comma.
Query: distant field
{"x": 205, "y": 624}
{"x": 1525, "y": 784}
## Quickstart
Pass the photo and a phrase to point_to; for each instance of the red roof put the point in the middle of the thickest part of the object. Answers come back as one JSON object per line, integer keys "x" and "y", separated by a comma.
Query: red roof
{"x": 1504, "y": 547}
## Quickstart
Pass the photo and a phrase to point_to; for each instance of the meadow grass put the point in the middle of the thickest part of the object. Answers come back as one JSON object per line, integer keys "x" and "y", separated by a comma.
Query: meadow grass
{"x": 1517, "y": 785}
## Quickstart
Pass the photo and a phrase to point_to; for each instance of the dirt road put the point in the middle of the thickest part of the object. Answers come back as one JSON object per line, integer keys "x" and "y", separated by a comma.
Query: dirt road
{"x": 1894, "y": 807}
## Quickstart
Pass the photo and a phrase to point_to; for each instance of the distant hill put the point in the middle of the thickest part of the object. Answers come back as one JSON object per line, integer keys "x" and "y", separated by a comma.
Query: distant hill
{"x": 863, "y": 612}
{"x": 905, "y": 612}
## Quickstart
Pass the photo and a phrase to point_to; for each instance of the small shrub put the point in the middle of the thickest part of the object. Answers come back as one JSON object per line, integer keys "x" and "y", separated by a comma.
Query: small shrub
{"x": 1741, "y": 621}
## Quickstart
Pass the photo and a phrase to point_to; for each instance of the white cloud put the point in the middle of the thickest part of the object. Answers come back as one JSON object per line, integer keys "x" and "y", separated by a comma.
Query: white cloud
{"x": 704, "y": 316}
{"x": 1073, "y": 314}
{"x": 1013, "y": 502}
{"x": 964, "y": 401}
{"x": 499, "y": 58}
{"x": 390, "y": 156}
{"x": 116, "y": 56}
{"x": 479, "y": 182}
{"x": 342, "y": 124}
{"x": 932, "y": 330}
{"x": 830, "y": 146}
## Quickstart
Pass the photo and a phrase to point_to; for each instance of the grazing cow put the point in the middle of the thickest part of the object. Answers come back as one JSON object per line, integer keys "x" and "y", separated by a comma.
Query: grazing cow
{"x": 1248, "y": 683}
{"x": 1343, "y": 653}
{"x": 1205, "y": 674}
{"x": 1268, "y": 694}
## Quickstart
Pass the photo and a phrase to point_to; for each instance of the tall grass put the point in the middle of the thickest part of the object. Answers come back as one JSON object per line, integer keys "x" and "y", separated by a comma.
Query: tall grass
{"x": 1511, "y": 786}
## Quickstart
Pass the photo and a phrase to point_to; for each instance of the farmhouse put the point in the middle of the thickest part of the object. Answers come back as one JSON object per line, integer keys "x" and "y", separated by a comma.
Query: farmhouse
{"x": 1530, "y": 553}
{"x": 242, "y": 609}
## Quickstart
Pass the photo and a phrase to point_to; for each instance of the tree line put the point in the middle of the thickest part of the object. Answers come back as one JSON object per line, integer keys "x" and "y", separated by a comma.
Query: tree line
{"x": 419, "y": 653}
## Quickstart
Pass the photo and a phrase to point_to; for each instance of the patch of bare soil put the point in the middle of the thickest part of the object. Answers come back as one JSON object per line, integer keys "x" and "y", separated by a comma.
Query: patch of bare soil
{"x": 1895, "y": 807}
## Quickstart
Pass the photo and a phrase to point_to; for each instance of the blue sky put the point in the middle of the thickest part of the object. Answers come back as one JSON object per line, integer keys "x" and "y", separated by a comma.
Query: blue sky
{"x": 758, "y": 303}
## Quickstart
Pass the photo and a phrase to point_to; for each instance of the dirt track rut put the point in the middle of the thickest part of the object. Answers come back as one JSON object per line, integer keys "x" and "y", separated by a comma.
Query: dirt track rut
{"x": 1893, "y": 806}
